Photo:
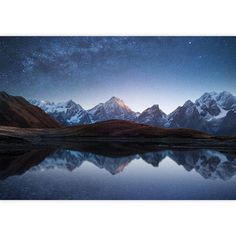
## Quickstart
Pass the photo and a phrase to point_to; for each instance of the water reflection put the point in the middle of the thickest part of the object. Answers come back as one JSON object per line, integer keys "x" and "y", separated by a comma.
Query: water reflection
{"x": 210, "y": 164}
{"x": 24, "y": 167}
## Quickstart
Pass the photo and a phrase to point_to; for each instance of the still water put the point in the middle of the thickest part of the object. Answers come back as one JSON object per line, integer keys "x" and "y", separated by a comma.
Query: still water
{"x": 168, "y": 174}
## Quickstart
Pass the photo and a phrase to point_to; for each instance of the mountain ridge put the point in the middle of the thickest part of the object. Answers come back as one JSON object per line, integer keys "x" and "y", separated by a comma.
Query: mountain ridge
{"x": 208, "y": 113}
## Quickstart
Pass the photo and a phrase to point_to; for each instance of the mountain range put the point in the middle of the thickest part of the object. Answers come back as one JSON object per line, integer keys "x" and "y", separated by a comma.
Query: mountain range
{"x": 213, "y": 112}
{"x": 70, "y": 113}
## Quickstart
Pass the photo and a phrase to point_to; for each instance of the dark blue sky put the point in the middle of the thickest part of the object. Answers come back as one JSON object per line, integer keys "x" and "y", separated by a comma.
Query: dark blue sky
{"x": 140, "y": 70}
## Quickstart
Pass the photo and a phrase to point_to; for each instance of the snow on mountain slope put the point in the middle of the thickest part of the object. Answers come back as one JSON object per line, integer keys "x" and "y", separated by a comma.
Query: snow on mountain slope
{"x": 215, "y": 105}
{"x": 68, "y": 113}
{"x": 114, "y": 108}
{"x": 153, "y": 116}
{"x": 206, "y": 114}
{"x": 186, "y": 116}
{"x": 213, "y": 113}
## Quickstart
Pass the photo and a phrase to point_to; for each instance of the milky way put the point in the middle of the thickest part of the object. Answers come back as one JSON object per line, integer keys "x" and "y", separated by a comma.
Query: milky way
{"x": 141, "y": 70}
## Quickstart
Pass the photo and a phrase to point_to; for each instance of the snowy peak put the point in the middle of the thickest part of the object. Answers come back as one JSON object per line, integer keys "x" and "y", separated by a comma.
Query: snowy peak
{"x": 114, "y": 108}
{"x": 186, "y": 116}
{"x": 154, "y": 108}
{"x": 215, "y": 105}
{"x": 115, "y": 100}
{"x": 116, "y": 103}
{"x": 208, "y": 113}
{"x": 225, "y": 99}
{"x": 71, "y": 104}
{"x": 188, "y": 103}
{"x": 41, "y": 103}
{"x": 68, "y": 113}
{"x": 56, "y": 107}
{"x": 153, "y": 116}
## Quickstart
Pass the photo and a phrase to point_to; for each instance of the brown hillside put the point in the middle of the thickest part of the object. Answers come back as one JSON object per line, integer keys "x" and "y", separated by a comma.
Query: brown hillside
{"x": 17, "y": 112}
{"x": 121, "y": 128}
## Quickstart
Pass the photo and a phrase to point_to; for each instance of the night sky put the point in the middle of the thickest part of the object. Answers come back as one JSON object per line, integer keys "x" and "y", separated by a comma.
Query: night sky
{"x": 140, "y": 70}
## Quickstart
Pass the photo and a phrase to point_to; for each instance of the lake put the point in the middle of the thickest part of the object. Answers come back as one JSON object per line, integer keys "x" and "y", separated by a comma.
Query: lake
{"x": 163, "y": 174}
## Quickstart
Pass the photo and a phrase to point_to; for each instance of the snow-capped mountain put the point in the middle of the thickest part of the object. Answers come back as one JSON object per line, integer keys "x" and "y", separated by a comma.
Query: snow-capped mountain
{"x": 186, "y": 116}
{"x": 152, "y": 116}
{"x": 215, "y": 105}
{"x": 212, "y": 112}
{"x": 68, "y": 113}
{"x": 114, "y": 108}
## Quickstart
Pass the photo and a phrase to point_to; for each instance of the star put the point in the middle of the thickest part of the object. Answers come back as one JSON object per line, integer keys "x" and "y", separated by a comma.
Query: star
{"x": 58, "y": 68}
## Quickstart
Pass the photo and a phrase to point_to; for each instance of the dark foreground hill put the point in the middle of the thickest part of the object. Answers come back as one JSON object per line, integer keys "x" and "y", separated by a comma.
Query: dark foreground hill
{"x": 117, "y": 131}
{"x": 17, "y": 112}
{"x": 128, "y": 129}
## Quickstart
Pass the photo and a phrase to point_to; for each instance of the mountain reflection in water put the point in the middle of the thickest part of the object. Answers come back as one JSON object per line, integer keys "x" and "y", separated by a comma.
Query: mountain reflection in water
{"x": 70, "y": 173}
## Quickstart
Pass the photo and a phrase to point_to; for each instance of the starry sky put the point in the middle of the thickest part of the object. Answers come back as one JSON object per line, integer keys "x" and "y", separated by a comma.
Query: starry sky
{"x": 142, "y": 71}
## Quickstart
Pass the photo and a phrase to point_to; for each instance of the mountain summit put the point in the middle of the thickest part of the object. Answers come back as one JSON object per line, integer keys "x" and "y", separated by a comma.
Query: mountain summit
{"x": 153, "y": 116}
{"x": 114, "y": 108}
